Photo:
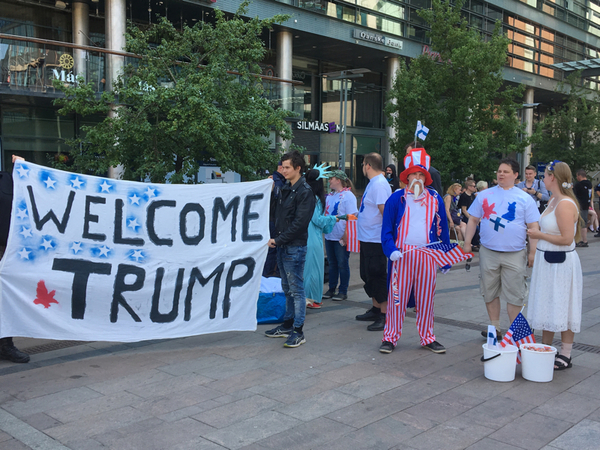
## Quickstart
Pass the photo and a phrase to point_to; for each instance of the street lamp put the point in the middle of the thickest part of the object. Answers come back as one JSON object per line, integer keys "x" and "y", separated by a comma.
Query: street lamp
{"x": 528, "y": 111}
{"x": 344, "y": 75}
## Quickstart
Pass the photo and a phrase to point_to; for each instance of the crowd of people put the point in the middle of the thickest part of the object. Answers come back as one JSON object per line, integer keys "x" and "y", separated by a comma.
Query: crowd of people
{"x": 513, "y": 224}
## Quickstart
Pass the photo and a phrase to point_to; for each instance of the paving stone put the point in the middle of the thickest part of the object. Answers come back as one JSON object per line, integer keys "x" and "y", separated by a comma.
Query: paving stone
{"x": 383, "y": 434}
{"x": 183, "y": 435}
{"x": 486, "y": 389}
{"x": 234, "y": 412}
{"x": 188, "y": 411}
{"x": 93, "y": 406}
{"x": 595, "y": 416}
{"x": 5, "y": 436}
{"x": 41, "y": 421}
{"x": 587, "y": 387}
{"x": 531, "y": 431}
{"x": 421, "y": 389}
{"x": 169, "y": 385}
{"x": 314, "y": 434}
{"x": 100, "y": 423}
{"x": 163, "y": 404}
{"x": 252, "y": 430}
{"x": 569, "y": 407}
{"x": 14, "y": 444}
{"x": 194, "y": 365}
{"x": 244, "y": 380}
{"x": 292, "y": 389}
{"x": 132, "y": 381}
{"x": 589, "y": 360}
{"x": 318, "y": 405}
{"x": 109, "y": 436}
{"x": 231, "y": 368}
{"x": 51, "y": 401}
{"x": 420, "y": 423}
{"x": 496, "y": 412}
{"x": 85, "y": 444}
{"x": 533, "y": 393}
{"x": 372, "y": 385}
{"x": 583, "y": 436}
{"x": 491, "y": 444}
{"x": 453, "y": 434}
{"x": 444, "y": 406}
{"x": 351, "y": 372}
{"x": 368, "y": 410}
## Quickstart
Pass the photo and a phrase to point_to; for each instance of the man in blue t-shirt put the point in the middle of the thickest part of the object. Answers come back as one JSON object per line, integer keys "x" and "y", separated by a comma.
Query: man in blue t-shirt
{"x": 504, "y": 213}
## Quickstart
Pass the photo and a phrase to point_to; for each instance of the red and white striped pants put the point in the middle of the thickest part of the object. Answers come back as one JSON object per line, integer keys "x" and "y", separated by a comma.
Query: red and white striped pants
{"x": 415, "y": 271}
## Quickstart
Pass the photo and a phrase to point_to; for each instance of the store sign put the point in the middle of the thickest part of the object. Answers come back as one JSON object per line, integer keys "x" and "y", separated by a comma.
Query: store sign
{"x": 315, "y": 125}
{"x": 66, "y": 64}
{"x": 377, "y": 38}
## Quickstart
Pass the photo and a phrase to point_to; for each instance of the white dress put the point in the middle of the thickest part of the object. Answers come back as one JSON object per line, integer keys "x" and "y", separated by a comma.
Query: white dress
{"x": 555, "y": 293}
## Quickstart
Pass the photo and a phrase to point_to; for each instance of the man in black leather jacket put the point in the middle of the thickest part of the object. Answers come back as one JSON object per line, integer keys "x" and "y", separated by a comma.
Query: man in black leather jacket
{"x": 294, "y": 207}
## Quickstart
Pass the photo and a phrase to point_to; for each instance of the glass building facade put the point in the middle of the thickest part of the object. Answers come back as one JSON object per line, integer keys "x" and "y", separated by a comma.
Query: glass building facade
{"x": 36, "y": 48}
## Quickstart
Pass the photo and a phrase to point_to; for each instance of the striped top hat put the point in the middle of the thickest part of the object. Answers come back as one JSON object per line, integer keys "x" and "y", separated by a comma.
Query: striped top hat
{"x": 417, "y": 160}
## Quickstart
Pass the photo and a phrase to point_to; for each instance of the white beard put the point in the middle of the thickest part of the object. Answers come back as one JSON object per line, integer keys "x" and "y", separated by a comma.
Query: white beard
{"x": 416, "y": 187}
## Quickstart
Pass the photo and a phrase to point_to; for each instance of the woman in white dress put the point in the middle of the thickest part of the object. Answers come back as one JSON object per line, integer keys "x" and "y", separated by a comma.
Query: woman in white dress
{"x": 556, "y": 287}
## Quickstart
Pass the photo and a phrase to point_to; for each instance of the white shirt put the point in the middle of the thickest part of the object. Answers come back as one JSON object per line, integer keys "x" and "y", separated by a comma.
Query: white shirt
{"x": 504, "y": 215}
{"x": 418, "y": 229}
{"x": 369, "y": 217}
{"x": 338, "y": 204}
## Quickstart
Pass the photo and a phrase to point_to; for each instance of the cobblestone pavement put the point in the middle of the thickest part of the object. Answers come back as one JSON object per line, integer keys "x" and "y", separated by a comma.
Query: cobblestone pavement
{"x": 242, "y": 390}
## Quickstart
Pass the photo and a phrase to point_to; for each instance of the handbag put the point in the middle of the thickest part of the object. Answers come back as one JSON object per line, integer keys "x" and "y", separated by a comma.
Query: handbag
{"x": 555, "y": 257}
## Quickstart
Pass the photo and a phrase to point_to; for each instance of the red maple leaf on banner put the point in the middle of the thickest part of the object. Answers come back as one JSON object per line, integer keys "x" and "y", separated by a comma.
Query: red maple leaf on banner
{"x": 43, "y": 296}
{"x": 488, "y": 209}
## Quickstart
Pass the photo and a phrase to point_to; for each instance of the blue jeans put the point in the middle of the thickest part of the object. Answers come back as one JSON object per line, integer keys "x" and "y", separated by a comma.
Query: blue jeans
{"x": 337, "y": 256}
{"x": 291, "y": 268}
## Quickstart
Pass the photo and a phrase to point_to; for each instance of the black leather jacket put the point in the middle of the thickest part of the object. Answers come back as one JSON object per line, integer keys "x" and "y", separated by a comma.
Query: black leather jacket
{"x": 294, "y": 209}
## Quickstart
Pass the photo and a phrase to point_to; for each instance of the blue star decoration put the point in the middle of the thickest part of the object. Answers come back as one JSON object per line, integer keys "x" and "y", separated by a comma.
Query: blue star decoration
{"x": 25, "y": 232}
{"x": 134, "y": 198}
{"x": 102, "y": 251}
{"x": 22, "y": 170}
{"x": 105, "y": 187}
{"x": 136, "y": 255}
{"x": 133, "y": 223}
{"x": 47, "y": 243}
{"x": 26, "y": 254}
{"x": 77, "y": 183}
{"x": 76, "y": 247}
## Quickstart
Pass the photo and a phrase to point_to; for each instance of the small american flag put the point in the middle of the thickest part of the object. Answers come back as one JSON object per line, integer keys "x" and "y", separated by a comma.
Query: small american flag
{"x": 445, "y": 254}
{"x": 352, "y": 245}
{"x": 518, "y": 333}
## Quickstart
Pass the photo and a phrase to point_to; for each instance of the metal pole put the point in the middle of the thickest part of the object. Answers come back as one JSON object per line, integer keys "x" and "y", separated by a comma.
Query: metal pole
{"x": 341, "y": 149}
{"x": 345, "y": 118}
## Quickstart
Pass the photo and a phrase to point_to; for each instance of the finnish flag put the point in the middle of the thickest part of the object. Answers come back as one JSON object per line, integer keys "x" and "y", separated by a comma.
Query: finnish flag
{"x": 421, "y": 131}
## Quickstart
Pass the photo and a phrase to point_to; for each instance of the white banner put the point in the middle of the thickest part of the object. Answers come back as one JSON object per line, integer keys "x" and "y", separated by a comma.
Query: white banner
{"x": 92, "y": 258}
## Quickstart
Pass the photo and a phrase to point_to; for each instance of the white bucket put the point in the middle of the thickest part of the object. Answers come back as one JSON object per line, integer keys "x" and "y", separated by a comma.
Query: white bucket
{"x": 500, "y": 364}
{"x": 537, "y": 366}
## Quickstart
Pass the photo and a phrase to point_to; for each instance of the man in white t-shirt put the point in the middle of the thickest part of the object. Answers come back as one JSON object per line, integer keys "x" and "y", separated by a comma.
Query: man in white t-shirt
{"x": 373, "y": 262}
{"x": 505, "y": 213}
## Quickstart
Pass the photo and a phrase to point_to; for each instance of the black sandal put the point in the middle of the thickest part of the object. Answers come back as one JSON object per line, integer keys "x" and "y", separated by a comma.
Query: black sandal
{"x": 561, "y": 362}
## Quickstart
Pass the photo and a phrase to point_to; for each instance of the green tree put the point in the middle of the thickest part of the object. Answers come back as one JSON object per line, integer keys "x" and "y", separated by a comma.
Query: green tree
{"x": 192, "y": 96}
{"x": 459, "y": 94}
{"x": 571, "y": 133}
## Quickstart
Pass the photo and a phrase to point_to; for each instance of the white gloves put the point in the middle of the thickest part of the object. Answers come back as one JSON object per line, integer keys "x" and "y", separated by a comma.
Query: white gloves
{"x": 395, "y": 256}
